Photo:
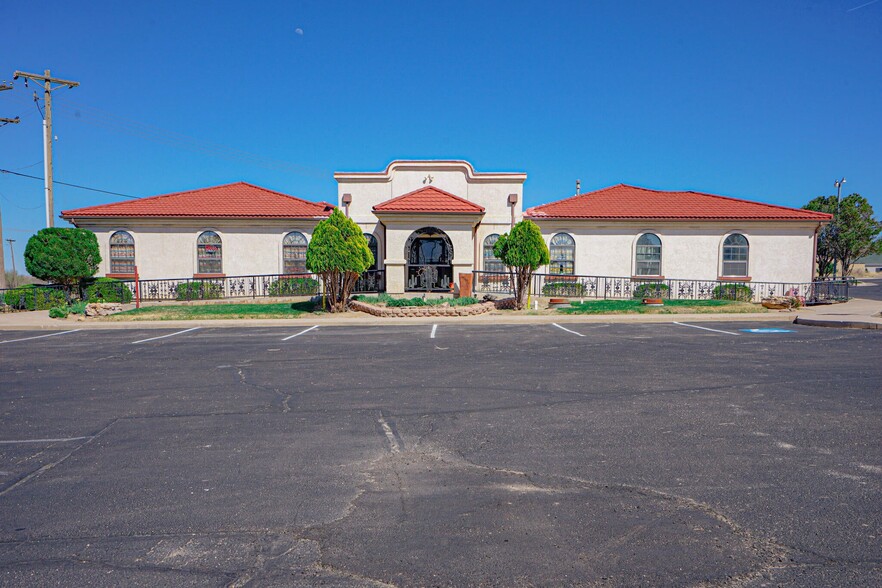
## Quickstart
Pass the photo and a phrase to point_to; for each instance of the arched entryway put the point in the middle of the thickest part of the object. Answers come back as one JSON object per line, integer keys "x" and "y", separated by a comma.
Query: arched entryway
{"x": 429, "y": 255}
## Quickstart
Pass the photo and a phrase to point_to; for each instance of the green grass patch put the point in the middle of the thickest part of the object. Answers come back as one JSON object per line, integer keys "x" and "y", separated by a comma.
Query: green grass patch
{"x": 178, "y": 312}
{"x": 386, "y": 300}
{"x": 670, "y": 307}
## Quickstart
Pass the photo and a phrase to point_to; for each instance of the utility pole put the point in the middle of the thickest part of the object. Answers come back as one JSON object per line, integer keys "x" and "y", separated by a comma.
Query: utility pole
{"x": 6, "y": 121}
{"x": 3, "y": 122}
{"x": 47, "y": 81}
{"x": 12, "y": 257}
{"x": 838, "y": 185}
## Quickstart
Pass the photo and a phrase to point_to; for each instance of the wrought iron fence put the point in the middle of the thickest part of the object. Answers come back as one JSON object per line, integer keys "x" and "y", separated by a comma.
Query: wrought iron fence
{"x": 186, "y": 289}
{"x": 34, "y": 297}
{"x": 606, "y": 287}
{"x": 371, "y": 281}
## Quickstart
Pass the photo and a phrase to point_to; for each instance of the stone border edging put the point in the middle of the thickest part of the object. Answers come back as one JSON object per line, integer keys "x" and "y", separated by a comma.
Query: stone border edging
{"x": 422, "y": 311}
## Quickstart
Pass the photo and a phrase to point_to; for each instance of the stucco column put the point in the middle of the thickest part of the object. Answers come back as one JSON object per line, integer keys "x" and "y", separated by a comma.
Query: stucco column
{"x": 395, "y": 280}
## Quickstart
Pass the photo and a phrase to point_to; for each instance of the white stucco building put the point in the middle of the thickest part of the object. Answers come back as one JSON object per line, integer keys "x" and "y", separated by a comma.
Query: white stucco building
{"x": 429, "y": 221}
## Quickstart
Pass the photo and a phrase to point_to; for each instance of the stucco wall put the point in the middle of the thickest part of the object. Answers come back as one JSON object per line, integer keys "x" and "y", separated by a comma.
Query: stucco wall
{"x": 779, "y": 252}
{"x": 488, "y": 190}
{"x": 170, "y": 251}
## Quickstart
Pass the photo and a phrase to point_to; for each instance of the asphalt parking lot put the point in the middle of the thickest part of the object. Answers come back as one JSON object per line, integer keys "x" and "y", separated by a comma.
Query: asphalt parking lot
{"x": 512, "y": 455}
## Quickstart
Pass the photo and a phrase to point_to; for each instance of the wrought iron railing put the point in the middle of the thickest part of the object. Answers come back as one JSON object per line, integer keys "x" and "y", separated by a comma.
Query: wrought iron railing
{"x": 371, "y": 281}
{"x": 611, "y": 287}
{"x": 256, "y": 286}
{"x": 34, "y": 297}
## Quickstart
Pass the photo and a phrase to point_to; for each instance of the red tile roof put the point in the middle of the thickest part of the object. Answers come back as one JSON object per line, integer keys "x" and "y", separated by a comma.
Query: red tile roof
{"x": 238, "y": 200}
{"x": 429, "y": 199}
{"x": 630, "y": 202}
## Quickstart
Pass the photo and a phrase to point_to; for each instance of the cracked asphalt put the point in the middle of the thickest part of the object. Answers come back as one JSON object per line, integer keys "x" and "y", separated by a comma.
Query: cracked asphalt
{"x": 487, "y": 455}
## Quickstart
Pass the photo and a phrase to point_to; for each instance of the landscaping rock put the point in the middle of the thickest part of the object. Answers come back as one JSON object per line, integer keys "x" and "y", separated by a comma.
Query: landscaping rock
{"x": 421, "y": 311}
{"x": 103, "y": 308}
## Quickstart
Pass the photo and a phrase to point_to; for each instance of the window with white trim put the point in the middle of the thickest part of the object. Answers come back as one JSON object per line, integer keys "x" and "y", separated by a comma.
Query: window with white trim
{"x": 648, "y": 255}
{"x": 491, "y": 262}
{"x": 735, "y": 253}
{"x": 294, "y": 253}
{"x": 122, "y": 253}
{"x": 209, "y": 253}
{"x": 563, "y": 255}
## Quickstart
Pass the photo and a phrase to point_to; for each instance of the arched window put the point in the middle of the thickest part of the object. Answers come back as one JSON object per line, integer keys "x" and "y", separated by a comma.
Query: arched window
{"x": 563, "y": 255}
{"x": 491, "y": 262}
{"x": 375, "y": 250}
{"x": 122, "y": 253}
{"x": 649, "y": 251}
{"x": 294, "y": 253}
{"x": 209, "y": 255}
{"x": 735, "y": 250}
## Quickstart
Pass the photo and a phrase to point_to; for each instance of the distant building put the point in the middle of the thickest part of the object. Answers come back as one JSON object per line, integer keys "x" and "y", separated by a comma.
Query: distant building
{"x": 428, "y": 221}
{"x": 871, "y": 264}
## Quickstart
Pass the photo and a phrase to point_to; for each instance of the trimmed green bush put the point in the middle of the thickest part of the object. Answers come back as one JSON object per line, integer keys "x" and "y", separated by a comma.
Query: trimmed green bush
{"x": 58, "y": 312}
{"x": 62, "y": 255}
{"x": 339, "y": 253}
{"x": 106, "y": 290}
{"x": 78, "y": 307}
{"x": 652, "y": 290}
{"x": 738, "y": 292}
{"x": 293, "y": 287}
{"x": 32, "y": 297}
{"x": 399, "y": 302}
{"x": 523, "y": 250}
{"x": 563, "y": 289}
{"x": 198, "y": 291}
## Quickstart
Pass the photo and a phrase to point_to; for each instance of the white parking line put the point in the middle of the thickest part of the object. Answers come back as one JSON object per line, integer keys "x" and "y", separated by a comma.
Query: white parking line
{"x": 705, "y": 328}
{"x": 39, "y": 336}
{"x": 61, "y": 440}
{"x": 387, "y": 430}
{"x": 434, "y": 329}
{"x": 567, "y": 330}
{"x": 300, "y": 333}
{"x": 164, "y": 336}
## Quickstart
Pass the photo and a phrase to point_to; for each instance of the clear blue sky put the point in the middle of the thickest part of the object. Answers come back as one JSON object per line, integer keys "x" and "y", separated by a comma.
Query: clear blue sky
{"x": 769, "y": 101}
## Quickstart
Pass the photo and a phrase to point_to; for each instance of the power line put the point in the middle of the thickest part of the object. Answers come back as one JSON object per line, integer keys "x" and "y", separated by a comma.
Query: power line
{"x": 6, "y": 171}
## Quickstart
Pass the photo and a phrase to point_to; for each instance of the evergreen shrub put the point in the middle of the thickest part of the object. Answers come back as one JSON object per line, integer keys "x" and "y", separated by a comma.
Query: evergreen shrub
{"x": 738, "y": 292}
{"x": 106, "y": 290}
{"x": 652, "y": 290}
{"x": 294, "y": 287}
{"x": 198, "y": 291}
{"x": 33, "y": 297}
{"x": 563, "y": 289}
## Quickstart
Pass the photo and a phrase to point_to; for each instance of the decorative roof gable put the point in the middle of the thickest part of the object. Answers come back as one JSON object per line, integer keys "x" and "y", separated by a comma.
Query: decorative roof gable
{"x": 429, "y": 200}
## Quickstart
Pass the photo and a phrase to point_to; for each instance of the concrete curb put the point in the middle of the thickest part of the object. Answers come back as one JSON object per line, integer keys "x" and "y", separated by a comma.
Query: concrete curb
{"x": 814, "y": 322}
{"x": 360, "y": 320}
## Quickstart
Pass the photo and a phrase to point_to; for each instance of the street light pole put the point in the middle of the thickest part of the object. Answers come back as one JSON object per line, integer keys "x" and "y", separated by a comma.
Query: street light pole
{"x": 838, "y": 184}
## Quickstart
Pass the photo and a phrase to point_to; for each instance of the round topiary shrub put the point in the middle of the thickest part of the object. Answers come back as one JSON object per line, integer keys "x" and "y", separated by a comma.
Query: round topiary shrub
{"x": 32, "y": 297}
{"x": 198, "y": 291}
{"x": 738, "y": 292}
{"x": 106, "y": 290}
{"x": 293, "y": 287}
{"x": 652, "y": 290}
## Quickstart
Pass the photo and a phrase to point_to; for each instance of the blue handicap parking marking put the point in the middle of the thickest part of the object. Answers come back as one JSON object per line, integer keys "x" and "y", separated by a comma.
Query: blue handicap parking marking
{"x": 766, "y": 331}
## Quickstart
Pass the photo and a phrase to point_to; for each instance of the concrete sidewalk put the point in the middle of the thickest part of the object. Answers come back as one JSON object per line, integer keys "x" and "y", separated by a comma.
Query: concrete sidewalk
{"x": 856, "y": 313}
